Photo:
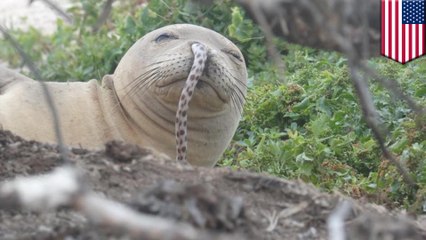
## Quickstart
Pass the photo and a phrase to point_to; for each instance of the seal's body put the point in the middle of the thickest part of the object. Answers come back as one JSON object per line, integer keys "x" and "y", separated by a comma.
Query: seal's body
{"x": 138, "y": 103}
{"x": 81, "y": 108}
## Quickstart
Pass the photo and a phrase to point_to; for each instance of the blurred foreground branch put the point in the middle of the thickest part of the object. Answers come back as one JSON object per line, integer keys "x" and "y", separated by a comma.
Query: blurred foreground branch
{"x": 57, "y": 9}
{"x": 64, "y": 187}
{"x": 336, "y": 221}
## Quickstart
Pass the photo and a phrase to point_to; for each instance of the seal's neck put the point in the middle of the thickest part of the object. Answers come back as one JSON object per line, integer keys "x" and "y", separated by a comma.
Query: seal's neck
{"x": 145, "y": 122}
{"x": 118, "y": 127}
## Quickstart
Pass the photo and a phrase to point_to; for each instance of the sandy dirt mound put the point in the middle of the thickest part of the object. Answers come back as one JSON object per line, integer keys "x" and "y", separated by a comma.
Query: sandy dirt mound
{"x": 224, "y": 204}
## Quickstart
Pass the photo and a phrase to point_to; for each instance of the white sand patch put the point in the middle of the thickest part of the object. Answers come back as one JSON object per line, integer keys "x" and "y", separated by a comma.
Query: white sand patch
{"x": 18, "y": 14}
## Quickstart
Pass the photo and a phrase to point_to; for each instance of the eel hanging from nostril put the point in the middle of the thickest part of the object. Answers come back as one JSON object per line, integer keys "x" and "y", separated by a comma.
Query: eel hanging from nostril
{"x": 200, "y": 57}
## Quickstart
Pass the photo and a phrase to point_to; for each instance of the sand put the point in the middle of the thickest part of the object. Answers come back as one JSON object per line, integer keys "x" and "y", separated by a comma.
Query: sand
{"x": 19, "y": 14}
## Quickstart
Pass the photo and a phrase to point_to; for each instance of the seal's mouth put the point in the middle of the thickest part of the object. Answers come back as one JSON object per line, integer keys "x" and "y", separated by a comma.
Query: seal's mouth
{"x": 202, "y": 83}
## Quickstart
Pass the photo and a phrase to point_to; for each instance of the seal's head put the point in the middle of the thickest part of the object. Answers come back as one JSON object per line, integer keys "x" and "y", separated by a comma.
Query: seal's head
{"x": 149, "y": 81}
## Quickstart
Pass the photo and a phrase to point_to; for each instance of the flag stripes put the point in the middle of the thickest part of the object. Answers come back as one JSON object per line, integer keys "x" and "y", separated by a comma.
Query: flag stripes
{"x": 401, "y": 42}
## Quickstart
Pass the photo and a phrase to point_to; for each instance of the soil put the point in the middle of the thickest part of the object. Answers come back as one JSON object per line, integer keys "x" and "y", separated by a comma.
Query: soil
{"x": 227, "y": 204}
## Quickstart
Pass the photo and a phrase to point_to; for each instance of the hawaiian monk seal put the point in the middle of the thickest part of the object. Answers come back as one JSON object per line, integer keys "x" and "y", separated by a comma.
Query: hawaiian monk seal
{"x": 138, "y": 103}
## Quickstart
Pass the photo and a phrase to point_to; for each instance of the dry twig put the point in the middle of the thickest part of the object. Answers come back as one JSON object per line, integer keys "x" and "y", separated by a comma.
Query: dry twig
{"x": 255, "y": 7}
{"x": 336, "y": 221}
{"x": 57, "y": 9}
{"x": 274, "y": 217}
{"x": 55, "y": 116}
{"x": 63, "y": 187}
{"x": 106, "y": 11}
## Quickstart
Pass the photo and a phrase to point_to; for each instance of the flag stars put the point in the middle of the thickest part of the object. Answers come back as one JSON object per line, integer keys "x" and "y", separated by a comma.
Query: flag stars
{"x": 413, "y": 11}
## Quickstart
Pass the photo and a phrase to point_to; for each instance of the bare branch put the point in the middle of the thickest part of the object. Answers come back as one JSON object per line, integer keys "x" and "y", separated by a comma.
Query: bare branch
{"x": 106, "y": 11}
{"x": 336, "y": 221}
{"x": 40, "y": 193}
{"x": 272, "y": 49}
{"x": 63, "y": 188}
{"x": 25, "y": 58}
{"x": 395, "y": 88}
{"x": 57, "y": 9}
{"x": 106, "y": 212}
{"x": 371, "y": 117}
{"x": 55, "y": 116}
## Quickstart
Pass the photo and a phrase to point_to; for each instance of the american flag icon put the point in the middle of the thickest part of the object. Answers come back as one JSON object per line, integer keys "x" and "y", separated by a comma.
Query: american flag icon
{"x": 403, "y": 29}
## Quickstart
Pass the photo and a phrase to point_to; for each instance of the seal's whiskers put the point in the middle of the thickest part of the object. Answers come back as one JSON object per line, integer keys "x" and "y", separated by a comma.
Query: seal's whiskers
{"x": 200, "y": 57}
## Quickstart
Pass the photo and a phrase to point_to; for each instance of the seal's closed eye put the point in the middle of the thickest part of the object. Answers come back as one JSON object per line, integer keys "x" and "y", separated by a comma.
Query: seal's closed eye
{"x": 165, "y": 36}
{"x": 233, "y": 53}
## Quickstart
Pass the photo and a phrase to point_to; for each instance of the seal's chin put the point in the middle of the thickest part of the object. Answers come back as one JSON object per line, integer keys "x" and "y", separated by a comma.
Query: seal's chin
{"x": 203, "y": 89}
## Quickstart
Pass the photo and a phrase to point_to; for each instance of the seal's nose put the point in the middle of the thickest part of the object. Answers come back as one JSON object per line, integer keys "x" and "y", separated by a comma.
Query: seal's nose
{"x": 211, "y": 52}
{"x": 200, "y": 44}
{"x": 194, "y": 42}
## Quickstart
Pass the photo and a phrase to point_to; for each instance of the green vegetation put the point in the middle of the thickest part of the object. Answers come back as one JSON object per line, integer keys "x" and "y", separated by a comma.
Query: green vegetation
{"x": 309, "y": 128}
